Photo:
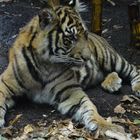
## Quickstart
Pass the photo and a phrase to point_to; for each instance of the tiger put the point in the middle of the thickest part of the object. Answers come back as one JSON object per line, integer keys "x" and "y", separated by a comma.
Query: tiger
{"x": 41, "y": 61}
{"x": 54, "y": 58}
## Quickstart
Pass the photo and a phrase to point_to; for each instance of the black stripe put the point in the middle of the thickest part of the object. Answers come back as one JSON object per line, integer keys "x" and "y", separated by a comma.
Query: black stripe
{"x": 106, "y": 58}
{"x": 72, "y": 26}
{"x": 50, "y": 43}
{"x": 96, "y": 53}
{"x": 92, "y": 120}
{"x": 59, "y": 93}
{"x": 57, "y": 76}
{"x": 82, "y": 102}
{"x": 56, "y": 42}
{"x": 30, "y": 48}
{"x": 104, "y": 52}
{"x": 34, "y": 35}
{"x": 128, "y": 75}
{"x": 113, "y": 62}
{"x": 122, "y": 67}
{"x": 86, "y": 112}
{"x": 9, "y": 88}
{"x": 67, "y": 79}
{"x": 102, "y": 58}
{"x": 70, "y": 21}
{"x": 17, "y": 75}
{"x": 3, "y": 108}
{"x": 58, "y": 11}
{"x": 75, "y": 108}
{"x": 34, "y": 73}
{"x": 78, "y": 75}
{"x": 90, "y": 110}
{"x": 135, "y": 76}
{"x": 2, "y": 93}
{"x": 31, "y": 67}
{"x": 136, "y": 79}
{"x": 64, "y": 18}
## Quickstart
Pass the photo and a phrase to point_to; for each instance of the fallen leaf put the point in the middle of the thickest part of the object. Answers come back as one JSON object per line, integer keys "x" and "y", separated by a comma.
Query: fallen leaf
{"x": 126, "y": 98}
{"x": 136, "y": 98}
{"x": 119, "y": 109}
{"x": 134, "y": 129}
{"x": 137, "y": 122}
{"x": 12, "y": 122}
{"x": 28, "y": 128}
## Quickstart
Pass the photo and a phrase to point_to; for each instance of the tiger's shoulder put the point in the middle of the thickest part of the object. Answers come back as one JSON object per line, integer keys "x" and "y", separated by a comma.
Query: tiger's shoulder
{"x": 25, "y": 36}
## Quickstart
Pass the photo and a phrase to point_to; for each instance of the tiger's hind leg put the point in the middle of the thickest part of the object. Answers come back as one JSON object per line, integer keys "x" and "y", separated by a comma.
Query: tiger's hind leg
{"x": 75, "y": 102}
{"x": 112, "y": 82}
{"x": 9, "y": 88}
{"x": 6, "y": 100}
{"x": 5, "y": 103}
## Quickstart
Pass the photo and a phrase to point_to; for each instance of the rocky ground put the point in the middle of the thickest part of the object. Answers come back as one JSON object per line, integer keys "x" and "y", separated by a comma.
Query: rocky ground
{"x": 27, "y": 119}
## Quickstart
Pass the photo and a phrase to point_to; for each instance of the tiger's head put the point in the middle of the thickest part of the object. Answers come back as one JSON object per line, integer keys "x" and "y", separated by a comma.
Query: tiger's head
{"x": 63, "y": 35}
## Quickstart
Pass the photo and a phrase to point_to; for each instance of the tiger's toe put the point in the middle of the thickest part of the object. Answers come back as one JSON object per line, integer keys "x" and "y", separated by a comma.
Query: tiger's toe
{"x": 112, "y": 82}
{"x": 136, "y": 89}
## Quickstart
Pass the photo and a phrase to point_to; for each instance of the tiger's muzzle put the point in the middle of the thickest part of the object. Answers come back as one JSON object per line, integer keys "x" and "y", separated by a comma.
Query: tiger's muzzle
{"x": 81, "y": 52}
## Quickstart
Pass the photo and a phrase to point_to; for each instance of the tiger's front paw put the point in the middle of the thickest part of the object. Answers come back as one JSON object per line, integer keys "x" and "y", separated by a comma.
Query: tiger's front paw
{"x": 136, "y": 89}
{"x": 112, "y": 82}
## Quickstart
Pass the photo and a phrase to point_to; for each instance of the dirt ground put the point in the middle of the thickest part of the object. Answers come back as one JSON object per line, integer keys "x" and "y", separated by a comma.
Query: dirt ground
{"x": 116, "y": 30}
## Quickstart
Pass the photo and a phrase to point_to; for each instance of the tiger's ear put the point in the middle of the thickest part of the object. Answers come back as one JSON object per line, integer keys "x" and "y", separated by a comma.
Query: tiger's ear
{"x": 77, "y": 5}
{"x": 71, "y": 3}
{"x": 46, "y": 16}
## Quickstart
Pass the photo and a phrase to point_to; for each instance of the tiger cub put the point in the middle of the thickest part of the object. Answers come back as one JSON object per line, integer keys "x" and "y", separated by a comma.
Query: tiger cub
{"x": 41, "y": 61}
{"x": 54, "y": 58}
